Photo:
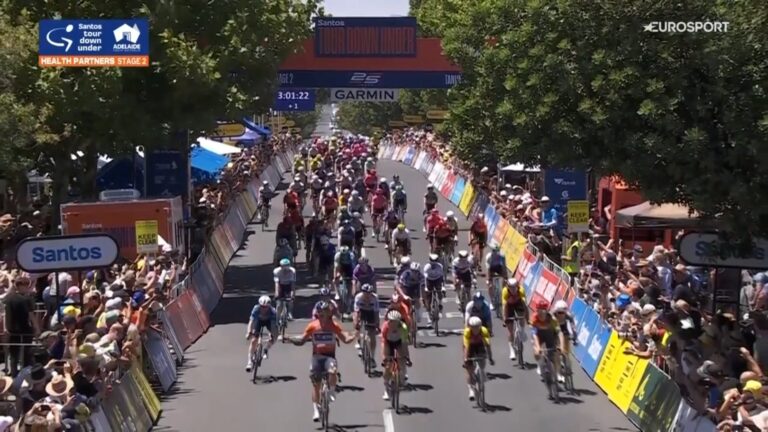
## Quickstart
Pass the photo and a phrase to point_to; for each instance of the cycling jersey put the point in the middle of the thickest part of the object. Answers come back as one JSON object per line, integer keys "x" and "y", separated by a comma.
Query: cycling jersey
{"x": 432, "y": 221}
{"x": 443, "y": 231}
{"x": 291, "y": 197}
{"x": 495, "y": 260}
{"x": 356, "y": 205}
{"x": 379, "y": 204}
{"x": 346, "y": 235}
{"x": 345, "y": 259}
{"x": 367, "y": 304}
{"x": 478, "y": 227}
{"x": 483, "y": 311}
{"x": 263, "y": 315}
{"x": 323, "y": 336}
{"x": 364, "y": 273}
{"x": 391, "y": 219}
{"x": 510, "y": 297}
{"x": 410, "y": 278}
{"x": 453, "y": 225}
{"x": 462, "y": 265}
{"x": 284, "y": 276}
{"x": 316, "y": 185}
{"x": 433, "y": 272}
{"x": 483, "y": 337}
{"x": 330, "y": 204}
{"x": 394, "y": 333}
{"x": 400, "y": 235}
{"x": 430, "y": 197}
{"x": 370, "y": 181}
{"x": 546, "y": 330}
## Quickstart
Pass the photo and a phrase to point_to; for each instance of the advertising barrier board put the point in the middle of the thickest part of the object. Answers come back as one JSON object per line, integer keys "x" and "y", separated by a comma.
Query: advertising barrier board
{"x": 656, "y": 401}
{"x": 161, "y": 359}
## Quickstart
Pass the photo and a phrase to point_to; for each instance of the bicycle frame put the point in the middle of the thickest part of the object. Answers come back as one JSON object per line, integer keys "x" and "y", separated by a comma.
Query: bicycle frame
{"x": 548, "y": 373}
{"x": 394, "y": 381}
{"x": 519, "y": 336}
{"x": 478, "y": 373}
{"x": 325, "y": 402}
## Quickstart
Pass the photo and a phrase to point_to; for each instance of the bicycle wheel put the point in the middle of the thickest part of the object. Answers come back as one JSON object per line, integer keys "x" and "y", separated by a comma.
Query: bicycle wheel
{"x": 366, "y": 356}
{"x": 519, "y": 345}
{"x": 256, "y": 360}
{"x": 394, "y": 385}
{"x": 480, "y": 383}
{"x": 414, "y": 328}
{"x": 435, "y": 312}
{"x": 568, "y": 374}
{"x": 325, "y": 405}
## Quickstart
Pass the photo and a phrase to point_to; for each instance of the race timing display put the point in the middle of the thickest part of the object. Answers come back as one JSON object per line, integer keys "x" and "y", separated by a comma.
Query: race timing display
{"x": 365, "y": 37}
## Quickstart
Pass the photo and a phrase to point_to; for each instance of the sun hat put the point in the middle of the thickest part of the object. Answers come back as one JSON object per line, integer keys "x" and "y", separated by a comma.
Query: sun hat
{"x": 59, "y": 386}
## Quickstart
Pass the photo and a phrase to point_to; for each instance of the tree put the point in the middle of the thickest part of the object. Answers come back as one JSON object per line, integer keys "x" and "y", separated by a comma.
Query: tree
{"x": 209, "y": 61}
{"x": 684, "y": 117}
{"x": 360, "y": 117}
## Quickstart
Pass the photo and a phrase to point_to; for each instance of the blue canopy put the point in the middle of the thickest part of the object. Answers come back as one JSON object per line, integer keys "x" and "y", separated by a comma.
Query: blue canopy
{"x": 256, "y": 128}
{"x": 206, "y": 165}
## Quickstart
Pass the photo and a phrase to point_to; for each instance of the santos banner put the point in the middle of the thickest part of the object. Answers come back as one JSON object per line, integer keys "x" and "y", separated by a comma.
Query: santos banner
{"x": 364, "y": 95}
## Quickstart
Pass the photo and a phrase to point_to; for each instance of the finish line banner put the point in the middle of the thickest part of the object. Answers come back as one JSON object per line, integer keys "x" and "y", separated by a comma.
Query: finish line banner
{"x": 94, "y": 43}
{"x": 364, "y": 95}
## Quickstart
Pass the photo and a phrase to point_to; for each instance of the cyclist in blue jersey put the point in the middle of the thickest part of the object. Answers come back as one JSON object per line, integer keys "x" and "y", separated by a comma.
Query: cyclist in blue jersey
{"x": 262, "y": 315}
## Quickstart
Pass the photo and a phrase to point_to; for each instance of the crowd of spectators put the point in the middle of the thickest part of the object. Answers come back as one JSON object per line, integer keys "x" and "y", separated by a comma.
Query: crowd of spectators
{"x": 665, "y": 310}
{"x": 68, "y": 338}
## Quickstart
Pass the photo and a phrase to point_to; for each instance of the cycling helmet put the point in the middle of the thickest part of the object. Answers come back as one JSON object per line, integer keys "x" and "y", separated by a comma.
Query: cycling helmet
{"x": 394, "y": 315}
{"x": 292, "y": 185}
{"x": 370, "y": 159}
{"x": 265, "y": 183}
{"x": 433, "y": 257}
{"x": 415, "y": 266}
{"x": 512, "y": 282}
{"x": 355, "y": 193}
{"x": 463, "y": 254}
{"x": 475, "y": 322}
{"x": 325, "y": 292}
{"x": 405, "y": 260}
{"x": 329, "y": 194}
{"x": 560, "y": 306}
{"x": 449, "y": 214}
{"x": 348, "y": 167}
{"x": 383, "y": 179}
{"x": 401, "y": 226}
{"x": 285, "y": 262}
{"x": 366, "y": 288}
{"x": 430, "y": 186}
{"x": 344, "y": 249}
{"x": 346, "y": 192}
{"x": 357, "y": 215}
{"x": 396, "y": 177}
{"x": 478, "y": 296}
{"x": 324, "y": 306}
{"x": 495, "y": 247}
{"x": 542, "y": 305}
{"x": 264, "y": 300}
{"x": 363, "y": 260}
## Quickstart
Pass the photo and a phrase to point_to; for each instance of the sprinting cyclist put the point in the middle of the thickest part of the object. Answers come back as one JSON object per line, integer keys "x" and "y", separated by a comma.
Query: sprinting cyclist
{"x": 364, "y": 274}
{"x": 477, "y": 343}
{"x": 443, "y": 238}
{"x": 285, "y": 277}
{"x": 409, "y": 284}
{"x": 394, "y": 337}
{"x": 325, "y": 297}
{"x": 545, "y": 330}
{"x": 323, "y": 333}
{"x": 399, "y": 199}
{"x": 345, "y": 265}
{"x": 433, "y": 220}
{"x": 366, "y": 317}
{"x": 463, "y": 273}
{"x": 379, "y": 205}
{"x": 453, "y": 224}
{"x": 430, "y": 201}
{"x": 401, "y": 241}
{"x": 478, "y": 238}
{"x": 262, "y": 315}
{"x": 478, "y": 307}
{"x": 514, "y": 305}
{"x": 356, "y": 203}
{"x": 496, "y": 263}
{"x": 567, "y": 331}
{"x": 434, "y": 277}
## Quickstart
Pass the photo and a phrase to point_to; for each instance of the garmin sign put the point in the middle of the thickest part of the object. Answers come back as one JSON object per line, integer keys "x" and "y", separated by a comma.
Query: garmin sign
{"x": 708, "y": 249}
{"x": 364, "y": 95}
{"x": 64, "y": 253}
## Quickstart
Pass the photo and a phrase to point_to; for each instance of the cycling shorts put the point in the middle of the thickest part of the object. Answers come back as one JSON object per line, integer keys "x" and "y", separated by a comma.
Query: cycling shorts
{"x": 481, "y": 238}
{"x": 434, "y": 285}
{"x": 284, "y": 291}
{"x": 413, "y": 291}
{"x": 398, "y": 202}
{"x": 379, "y": 211}
{"x": 391, "y": 347}
{"x": 497, "y": 270}
{"x": 465, "y": 278}
{"x": 261, "y": 324}
{"x": 368, "y": 316}
{"x": 429, "y": 206}
{"x": 477, "y": 350}
{"x": 321, "y": 365}
{"x": 514, "y": 310}
{"x": 346, "y": 270}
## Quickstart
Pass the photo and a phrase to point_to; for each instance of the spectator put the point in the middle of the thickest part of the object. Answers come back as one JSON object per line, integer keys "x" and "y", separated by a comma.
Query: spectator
{"x": 20, "y": 322}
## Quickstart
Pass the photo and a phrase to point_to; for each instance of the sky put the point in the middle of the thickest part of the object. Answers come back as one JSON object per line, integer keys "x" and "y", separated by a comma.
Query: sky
{"x": 369, "y": 8}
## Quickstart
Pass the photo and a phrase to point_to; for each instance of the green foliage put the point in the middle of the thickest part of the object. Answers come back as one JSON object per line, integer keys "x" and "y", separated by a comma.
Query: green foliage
{"x": 684, "y": 117}
{"x": 306, "y": 121}
{"x": 360, "y": 117}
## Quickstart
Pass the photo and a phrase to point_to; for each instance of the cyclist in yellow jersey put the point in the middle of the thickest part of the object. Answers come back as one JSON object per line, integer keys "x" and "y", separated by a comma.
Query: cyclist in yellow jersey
{"x": 514, "y": 306}
{"x": 477, "y": 343}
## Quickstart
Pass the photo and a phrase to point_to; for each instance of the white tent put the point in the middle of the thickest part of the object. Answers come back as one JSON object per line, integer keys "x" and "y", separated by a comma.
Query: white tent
{"x": 518, "y": 167}
{"x": 218, "y": 147}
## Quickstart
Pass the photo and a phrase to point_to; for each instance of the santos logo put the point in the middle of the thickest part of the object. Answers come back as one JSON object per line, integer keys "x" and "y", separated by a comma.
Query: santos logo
{"x": 367, "y": 95}
{"x": 42, "y": 254}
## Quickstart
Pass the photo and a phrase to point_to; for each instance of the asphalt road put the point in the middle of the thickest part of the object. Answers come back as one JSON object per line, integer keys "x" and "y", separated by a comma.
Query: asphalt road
{"x": 215, "y": 393}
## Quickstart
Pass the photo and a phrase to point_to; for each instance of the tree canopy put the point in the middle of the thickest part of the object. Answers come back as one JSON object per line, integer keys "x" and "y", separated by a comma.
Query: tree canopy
{"x": 209, "y": 61}
{"x": 684, "y": 117}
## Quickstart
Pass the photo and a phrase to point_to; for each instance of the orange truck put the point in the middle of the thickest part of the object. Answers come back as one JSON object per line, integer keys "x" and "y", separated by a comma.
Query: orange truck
{"x": 122, "y": 220}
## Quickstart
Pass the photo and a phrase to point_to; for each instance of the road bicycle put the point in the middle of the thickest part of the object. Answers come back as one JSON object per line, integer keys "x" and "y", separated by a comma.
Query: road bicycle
{"x": 365, "y": 345}
{"x": 325, "y": 402}
{"x": 565, "y": 369}
{"x": 282, "y": 316}
{"x": 548, "y": 374}
{"x": 345, "y": 295}
{"x": 463, "y": 293}
{"x": 258, "y": 355}
{"x": 394, "y": 383}
{"x": 496, "y": 282}
{"x": 434, "y": 309}
{"x": 263, "y": 212}
{"x": 414, "y": 328}
{"x": 519, "y": 339}
{"x": 377, "y": 226}
{"x": 479, "y": 378}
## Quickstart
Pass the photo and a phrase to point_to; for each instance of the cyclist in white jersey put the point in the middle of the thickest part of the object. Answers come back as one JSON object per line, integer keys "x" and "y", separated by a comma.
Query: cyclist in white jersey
{"x": 401, "y": 236}
{"x": 356, "y": 203}
{"x": 463, "y": 272}
{"x": 434, "y": 277}
{"x": 366, "y": 318}
{"x": 285, "y": 277}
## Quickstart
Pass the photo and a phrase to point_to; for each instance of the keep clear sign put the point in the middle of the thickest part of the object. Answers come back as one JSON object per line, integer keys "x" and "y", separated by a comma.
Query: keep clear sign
{"x": 364, "y": 95}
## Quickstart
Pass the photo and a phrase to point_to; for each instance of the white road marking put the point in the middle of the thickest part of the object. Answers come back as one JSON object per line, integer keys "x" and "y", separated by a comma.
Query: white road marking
{"x": 389, "y": 422}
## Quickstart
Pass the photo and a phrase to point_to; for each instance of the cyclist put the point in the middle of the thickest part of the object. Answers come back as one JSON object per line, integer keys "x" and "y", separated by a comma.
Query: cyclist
{"x": 378, "y": 207}
{"x": 477, "y": 343}
{"x": 384, "y": 186}
{"x": 359, "y": 227}
{"x": 443, "y": 238}
{"x": 364, "y": 274}
{"x": 326, "y": 257}
{"x": 453, "y": 224}
{"x": 567, "y": 330}
{"x": 345, "y": 265}
{"x": 478, "y": 237}
{"x": 344, "y": 216}
{"x": 282, "y": 251}
{"x": 330, "y": 204}
{"x": 262, "y": 315}
{"x": 478, "y": 307}
{"x": 496, "y": 263}
{"x": 346, "y": 234}
{"x": 399, "y": 199}
{"x": 366, "y": 316}
{"x": 370, "y": 180}
{"x": 356, "y": 203}
{"x": 391, "y": 221}
{"x": 394, "y": 337}
{"x": 545, "y": 330}
{"x": 286, "y": 230}
{"x": 431, "y": 223}
{"x": 285, "y": 277}
{"x": 401, "y": 241}
{"x": 395, "y": 182}
{"x": 405, "y": 264}
{"x": 370, "y": 164}
{"x": 409, "y": 284}
{"x": 434, "y": 277}
{"x": 346, "y": 194}
{"x": 325, "y": 297}
{"x": 323, "y": 333}
{"x": 463, "y": 274}
{"x": 291, "y": 198}
{"x": 266, "y": 194}
{"x": 316, "y": 188}
{"x": 514, "y": 305}
{"x": 430, "y": 199}
{"x": 402, "y": 305}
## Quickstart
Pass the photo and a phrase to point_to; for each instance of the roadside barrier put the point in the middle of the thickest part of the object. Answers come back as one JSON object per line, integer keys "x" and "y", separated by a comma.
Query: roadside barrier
{"x": 132, "y": 404}
{"x": 646, "y": 395}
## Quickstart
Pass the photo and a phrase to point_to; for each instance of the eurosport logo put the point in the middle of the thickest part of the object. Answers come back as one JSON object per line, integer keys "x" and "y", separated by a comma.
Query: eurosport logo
{"x": 365, "y": 78}
{"x": 686, "y": 27}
